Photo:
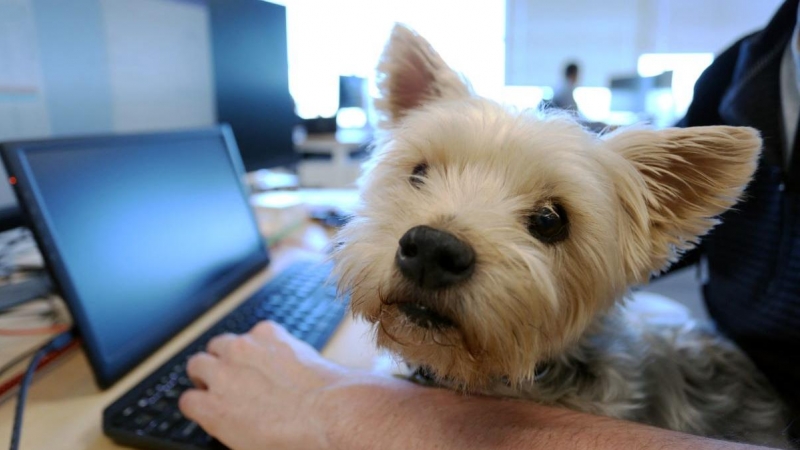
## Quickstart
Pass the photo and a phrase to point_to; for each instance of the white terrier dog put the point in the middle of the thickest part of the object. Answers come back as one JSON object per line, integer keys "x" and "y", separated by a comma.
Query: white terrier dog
{"x": 493, "y": 250}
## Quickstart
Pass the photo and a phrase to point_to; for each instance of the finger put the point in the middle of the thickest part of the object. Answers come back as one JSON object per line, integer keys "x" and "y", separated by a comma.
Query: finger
{"x": 269, "y": 332}
{"x": 203, "y": 369}
{"x": 240, "y": 351}
{"x": 201, "y": 407}
{"x": 276, "y": 338}
{"x": 220, "y": 345}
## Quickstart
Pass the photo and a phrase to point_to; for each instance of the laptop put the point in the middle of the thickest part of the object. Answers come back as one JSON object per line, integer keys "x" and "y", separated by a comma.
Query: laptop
{"x": 144, "y": 233}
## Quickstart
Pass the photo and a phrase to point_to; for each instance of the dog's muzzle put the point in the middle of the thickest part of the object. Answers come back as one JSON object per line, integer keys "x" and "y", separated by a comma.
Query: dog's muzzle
{"x": 434, "y": 259}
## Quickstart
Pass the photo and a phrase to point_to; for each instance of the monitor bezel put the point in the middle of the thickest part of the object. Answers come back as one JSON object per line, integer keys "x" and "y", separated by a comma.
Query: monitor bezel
{"x": 12, "y": 152}
{"x": 10, "y": 213}
{"x": 10, "y": 217}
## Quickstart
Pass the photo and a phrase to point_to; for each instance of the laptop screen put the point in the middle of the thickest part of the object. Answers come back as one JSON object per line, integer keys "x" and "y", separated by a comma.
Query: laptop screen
{"x": 142, "y": 233}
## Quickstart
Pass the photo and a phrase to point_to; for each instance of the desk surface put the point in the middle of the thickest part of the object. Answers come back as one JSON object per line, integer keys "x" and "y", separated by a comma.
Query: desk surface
{"x": 64, "y": 407}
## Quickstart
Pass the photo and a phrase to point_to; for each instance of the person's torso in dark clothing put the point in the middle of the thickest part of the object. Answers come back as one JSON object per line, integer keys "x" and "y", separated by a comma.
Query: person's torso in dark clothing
{"x": 753, "y": 287}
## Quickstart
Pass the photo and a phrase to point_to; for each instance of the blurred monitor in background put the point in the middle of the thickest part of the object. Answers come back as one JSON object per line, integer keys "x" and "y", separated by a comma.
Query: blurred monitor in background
{"x": 352, "y": 91}
{"x": 10, "y": 216}
{"x": 643, "y": 99}
{"x": 251, "y": 76}
{"x": 627, "y": 94}
{"x": 353, "y": 103}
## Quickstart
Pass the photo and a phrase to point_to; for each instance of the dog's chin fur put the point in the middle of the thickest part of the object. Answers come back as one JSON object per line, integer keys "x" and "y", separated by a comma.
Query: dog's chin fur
{"x": 634, "y": 198}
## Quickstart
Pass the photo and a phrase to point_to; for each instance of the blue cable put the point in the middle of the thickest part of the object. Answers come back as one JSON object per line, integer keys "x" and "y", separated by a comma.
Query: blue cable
{"x": 59, "y": 342}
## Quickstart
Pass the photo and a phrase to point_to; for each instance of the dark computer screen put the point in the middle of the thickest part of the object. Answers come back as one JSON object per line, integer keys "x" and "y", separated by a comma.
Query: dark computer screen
{"x": 142, "y": 233}
{"x": 630, "y": 93}
{"x": 251, "y": 76}
{"x": 352, "y": 92}
{"x": 10, "y": 216}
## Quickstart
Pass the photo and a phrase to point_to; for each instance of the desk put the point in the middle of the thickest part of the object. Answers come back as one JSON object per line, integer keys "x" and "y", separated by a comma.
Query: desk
{"x": 64, "y": 407}
{"x": 335, "y": 168}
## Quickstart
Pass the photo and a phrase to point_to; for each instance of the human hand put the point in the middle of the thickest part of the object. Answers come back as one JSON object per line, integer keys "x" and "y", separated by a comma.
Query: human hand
{"x": 261, "y": 390}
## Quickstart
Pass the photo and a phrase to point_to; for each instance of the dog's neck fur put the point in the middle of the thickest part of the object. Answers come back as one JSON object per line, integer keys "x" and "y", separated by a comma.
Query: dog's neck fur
{"x": 572, "y": 366}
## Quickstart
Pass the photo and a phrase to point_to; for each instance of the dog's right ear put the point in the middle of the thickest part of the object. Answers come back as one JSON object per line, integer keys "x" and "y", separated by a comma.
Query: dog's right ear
{"x": 686, "y": 178}
{"x": 411, "y": 73}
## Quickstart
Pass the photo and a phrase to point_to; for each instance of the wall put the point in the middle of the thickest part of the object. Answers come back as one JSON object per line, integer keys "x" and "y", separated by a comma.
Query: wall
{"x": 608, "y": 37}
{"x": 101, "y": 66}
{"x": 23, "y": 111}
{"x": 706, "y": 25}
{"x": 160, "y": 64}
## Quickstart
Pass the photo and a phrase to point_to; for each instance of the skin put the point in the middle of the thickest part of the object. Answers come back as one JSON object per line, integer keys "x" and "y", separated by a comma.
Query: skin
{"x": 266, "y": 389}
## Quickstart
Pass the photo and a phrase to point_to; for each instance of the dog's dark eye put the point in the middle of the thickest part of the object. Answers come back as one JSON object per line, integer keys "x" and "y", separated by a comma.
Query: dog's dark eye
{"x": 549, "y": 223}
{"x": 418, "y": 174}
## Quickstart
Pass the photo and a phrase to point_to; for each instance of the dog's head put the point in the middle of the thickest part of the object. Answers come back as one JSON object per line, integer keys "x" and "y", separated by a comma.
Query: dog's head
{"x": 489, "y": 239}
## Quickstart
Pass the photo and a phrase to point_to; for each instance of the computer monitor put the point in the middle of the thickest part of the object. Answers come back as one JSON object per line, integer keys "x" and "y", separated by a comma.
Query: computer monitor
{"x": 352, "y": 92}
{"x": 631, "y": 93}
{"x": 141, "y": 233}
{"x": 627, "y": 94}
{"x": 251, "y": 74}
{"x": 10, "y": 216}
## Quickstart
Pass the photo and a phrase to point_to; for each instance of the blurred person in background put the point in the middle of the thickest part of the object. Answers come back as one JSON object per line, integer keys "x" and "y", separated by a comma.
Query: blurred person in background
{"x": 563, "y": 98}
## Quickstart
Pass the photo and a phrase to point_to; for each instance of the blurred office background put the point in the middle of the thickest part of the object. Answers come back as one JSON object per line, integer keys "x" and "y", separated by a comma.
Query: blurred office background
{"x": 515, "y": 50}
{"x": 123, "y": 65}
{"x": 289, "y": 74}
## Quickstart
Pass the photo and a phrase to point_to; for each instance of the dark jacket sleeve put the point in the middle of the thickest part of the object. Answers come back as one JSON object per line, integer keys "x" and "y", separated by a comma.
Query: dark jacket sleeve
{"x": 710, "y": 88}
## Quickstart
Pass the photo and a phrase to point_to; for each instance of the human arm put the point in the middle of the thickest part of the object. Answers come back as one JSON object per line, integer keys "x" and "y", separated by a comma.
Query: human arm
{"x": 266, "y": 389}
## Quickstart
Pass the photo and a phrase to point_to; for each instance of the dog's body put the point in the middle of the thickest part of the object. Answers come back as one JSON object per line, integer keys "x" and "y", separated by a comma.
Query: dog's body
{"x": 494, "y": 248}
{"x": 685, "y": 378}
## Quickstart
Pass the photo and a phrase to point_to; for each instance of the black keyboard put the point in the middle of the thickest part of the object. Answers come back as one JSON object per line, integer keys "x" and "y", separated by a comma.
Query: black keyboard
{"x": 300, "y": 298}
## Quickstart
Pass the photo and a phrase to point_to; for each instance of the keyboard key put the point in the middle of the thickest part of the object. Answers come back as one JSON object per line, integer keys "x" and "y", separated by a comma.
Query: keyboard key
{"x": 177, "y": 428}
{"x": 188, "y": 430}
{"x": 160, "y": 406}
{"x": 123, "y": 416}
{"x": 162, "y": 428}
{"x": 172, "y": 394}
{"x": 202, "y": 439}
{"x": 173, "y": 417}
{"x": 142, "y": 419}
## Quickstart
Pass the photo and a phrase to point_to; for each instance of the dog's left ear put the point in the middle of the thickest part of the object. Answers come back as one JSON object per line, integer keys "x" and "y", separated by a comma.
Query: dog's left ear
{"x": 690, "y": 176}
{"x": 411, "y": 73}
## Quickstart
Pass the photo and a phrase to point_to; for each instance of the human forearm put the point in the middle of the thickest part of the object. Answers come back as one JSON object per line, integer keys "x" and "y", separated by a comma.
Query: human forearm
{"x": 266, "y": 389}
{"x": 391, "y": 414}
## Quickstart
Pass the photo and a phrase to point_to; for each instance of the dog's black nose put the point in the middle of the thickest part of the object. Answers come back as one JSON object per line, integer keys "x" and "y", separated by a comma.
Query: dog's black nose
{"x": 434, "y": 258}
